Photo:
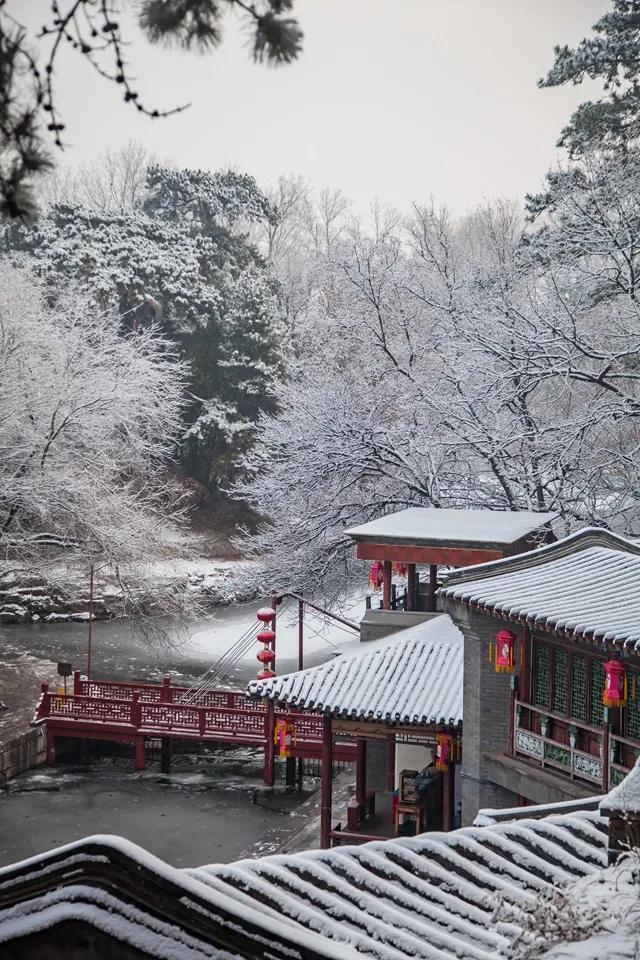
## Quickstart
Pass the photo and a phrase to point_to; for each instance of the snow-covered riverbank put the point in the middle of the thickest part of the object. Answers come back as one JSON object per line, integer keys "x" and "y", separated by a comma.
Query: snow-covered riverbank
{"x": 63, "y": 594}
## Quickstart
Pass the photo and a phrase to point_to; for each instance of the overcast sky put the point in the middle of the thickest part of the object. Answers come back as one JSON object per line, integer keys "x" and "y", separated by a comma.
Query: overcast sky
{"x": 396, "y": 99}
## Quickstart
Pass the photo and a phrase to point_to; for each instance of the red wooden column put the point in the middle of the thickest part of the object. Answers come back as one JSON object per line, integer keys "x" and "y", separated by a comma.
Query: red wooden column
{"x": 269, "y": 746}
{"x": 411, "y": 586}
{"x": 361, "y": 774}
{"x": 326, "y": 785}
{"x": 386, "y": 585}
{"x": 448, "y": 794}
{"x": 391, "y": 763}
{"x": 433, "y": 586}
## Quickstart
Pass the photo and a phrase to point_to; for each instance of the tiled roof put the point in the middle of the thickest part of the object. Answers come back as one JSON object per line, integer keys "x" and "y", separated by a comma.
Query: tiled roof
{"x": 585, "y": 586}
{"x": 432, "y": 896}
{"x": 378, "y": 681}
{"x": 471, "y": 527}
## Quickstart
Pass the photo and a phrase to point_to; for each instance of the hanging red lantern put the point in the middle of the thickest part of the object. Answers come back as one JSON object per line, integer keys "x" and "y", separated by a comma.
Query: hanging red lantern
{"x": 400, "y": 569}
{"x": 284, "y": 737}
{"x": 505, "y": 652}
{"x": 266, "y": 656}
{"x": 266, "y": 636}
{"x": 444, "y": 751}
{"x": 266, "y": 614}
{"x": 615, "y": 684}
{"x": 376, "y": 574}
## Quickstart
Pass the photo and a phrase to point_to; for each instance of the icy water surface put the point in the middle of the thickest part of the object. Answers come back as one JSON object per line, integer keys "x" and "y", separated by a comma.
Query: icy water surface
{"x": 119, "y": 653}
{"x": 213, "y": 807}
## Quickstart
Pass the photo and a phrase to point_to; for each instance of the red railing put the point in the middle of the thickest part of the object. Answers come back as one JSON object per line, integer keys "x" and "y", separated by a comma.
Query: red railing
{"x": 580, "y": 750}
{"x": 155, "y": 711}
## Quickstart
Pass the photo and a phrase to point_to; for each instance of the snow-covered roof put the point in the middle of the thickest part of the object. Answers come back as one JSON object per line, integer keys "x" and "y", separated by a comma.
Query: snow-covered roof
{"x": 585, "y": 585}
{"x": 379, "y": 681}
{"x": 433, "y": 896}
{"x": 625, "y": 798}
{"x": 429, "y": 526}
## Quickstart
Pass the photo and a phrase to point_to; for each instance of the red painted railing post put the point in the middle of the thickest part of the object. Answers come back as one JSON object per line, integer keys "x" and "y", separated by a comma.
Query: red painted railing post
{"x": 77, "y": 683}
{"x": 165, "y": 693}
{"x": 46, "y": 700}
{"x": 136, "y": 710}
{"x": 202, "y": 721}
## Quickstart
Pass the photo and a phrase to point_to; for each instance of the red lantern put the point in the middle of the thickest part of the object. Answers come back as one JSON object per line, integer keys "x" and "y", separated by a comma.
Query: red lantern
{"x": 505, "y": 652}
{"x": 266, "y": 614}
{"x": 615, "y": 684}
{"x": 284, "y": 737}
{"x": 401, "y": 569}
{"x": 376, "y": 574}
{"x": 267, "y": 636}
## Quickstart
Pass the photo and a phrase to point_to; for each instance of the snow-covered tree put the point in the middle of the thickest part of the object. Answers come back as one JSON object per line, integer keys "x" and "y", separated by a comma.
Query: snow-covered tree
{"x": 455, "y": 364}
{"x": 89, "y": 420}
{"x": 612, "y": 55}
{"x": 181, "y": 258}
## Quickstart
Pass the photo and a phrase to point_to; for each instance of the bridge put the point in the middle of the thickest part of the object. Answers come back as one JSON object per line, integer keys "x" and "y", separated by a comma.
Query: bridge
{"x": 135, "y": 713}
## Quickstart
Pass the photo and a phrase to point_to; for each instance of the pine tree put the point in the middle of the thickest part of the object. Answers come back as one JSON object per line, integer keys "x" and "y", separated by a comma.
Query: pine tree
{"x": 614, "y": 56}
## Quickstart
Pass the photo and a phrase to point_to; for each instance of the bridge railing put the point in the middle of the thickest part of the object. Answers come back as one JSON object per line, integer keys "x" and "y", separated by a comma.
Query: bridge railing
{"x": 230, "y": 715}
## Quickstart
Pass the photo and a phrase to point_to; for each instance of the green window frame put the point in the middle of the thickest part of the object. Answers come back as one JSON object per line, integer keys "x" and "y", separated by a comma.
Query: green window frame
{"x": 596, "y": 689}
{"x": 633, "y": 706}
{"x": 542, "y": 675}
{"x": 578, "y": 687}
{"x": 560, "y": 685}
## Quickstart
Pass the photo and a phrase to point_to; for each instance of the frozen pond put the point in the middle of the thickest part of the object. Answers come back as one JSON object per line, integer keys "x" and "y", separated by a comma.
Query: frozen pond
{"x": 119, "y": 653}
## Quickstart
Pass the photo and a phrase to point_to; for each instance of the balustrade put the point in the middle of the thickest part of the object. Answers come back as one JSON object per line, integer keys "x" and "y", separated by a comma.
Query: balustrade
{"x": 579, "y": 750}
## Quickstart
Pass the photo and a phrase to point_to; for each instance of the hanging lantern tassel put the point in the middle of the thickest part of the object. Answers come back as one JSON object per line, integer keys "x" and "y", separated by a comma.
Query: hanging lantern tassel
{"x": 615, "y": 684}
{"x": 376, "y": 574}
{"x": 505, "y": 661}
{"x": 445, "y": 751}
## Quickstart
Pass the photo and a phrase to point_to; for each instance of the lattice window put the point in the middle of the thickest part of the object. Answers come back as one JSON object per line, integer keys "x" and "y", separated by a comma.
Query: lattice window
{"x": 596, "y": 689}
{"x": 560, "y": 681}
{"x": 633, "y": 707}
{"x": 578, "y": 687}
{"x": 541, "y": 678}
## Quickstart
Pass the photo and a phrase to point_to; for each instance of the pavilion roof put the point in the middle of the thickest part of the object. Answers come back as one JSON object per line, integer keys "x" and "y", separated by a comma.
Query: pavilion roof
{"x": 413, "y": 677}
{"x": 585, "y": 586}
{"x": 427, "y": 526}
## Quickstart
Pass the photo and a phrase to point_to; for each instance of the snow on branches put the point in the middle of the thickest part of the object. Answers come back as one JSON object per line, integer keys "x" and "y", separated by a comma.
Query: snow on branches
{"x": 89, "y": 420}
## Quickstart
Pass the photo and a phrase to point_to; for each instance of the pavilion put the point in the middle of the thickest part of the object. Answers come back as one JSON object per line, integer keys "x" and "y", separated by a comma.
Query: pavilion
{"x": 371, "y": 694}
{"x": 432, "y": 537}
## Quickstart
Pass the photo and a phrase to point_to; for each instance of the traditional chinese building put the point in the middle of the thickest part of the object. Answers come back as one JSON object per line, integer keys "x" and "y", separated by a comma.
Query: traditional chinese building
{"x": 551, "y": 671}
{"x": 420, "y": 540}
{"x": 402, "y": 694}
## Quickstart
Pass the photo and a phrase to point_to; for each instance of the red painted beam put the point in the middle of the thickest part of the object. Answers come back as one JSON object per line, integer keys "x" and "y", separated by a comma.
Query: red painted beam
{"x": 451, "y": 556}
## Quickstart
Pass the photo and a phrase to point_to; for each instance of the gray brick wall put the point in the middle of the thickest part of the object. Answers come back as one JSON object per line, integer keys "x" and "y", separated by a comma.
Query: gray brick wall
{"x": 486, "y": 712}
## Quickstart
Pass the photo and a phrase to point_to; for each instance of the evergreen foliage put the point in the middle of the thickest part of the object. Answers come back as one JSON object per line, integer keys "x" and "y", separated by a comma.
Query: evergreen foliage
{"x": 613, "y": 55}
{"x": 181, "y": 259}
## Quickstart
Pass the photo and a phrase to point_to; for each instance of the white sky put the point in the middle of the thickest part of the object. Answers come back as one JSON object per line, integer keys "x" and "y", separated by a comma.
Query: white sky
{"x": 396, "y": 99}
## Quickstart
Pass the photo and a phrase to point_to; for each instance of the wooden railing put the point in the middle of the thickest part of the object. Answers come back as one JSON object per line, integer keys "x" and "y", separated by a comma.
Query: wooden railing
{"x": 156, "y": 711}
{"x": 580, "y": 750}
